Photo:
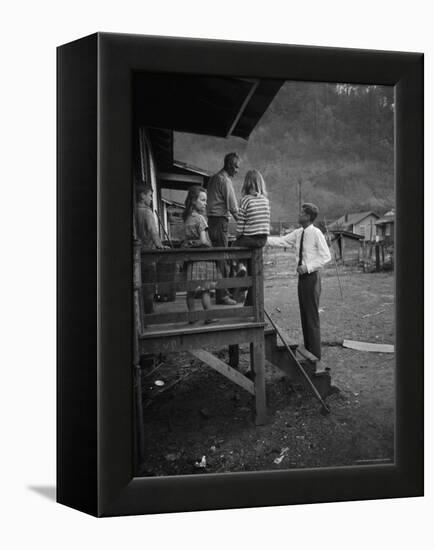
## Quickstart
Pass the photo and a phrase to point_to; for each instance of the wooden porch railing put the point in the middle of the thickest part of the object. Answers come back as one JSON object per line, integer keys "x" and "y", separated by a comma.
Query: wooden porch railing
{"x": 173, "y": 279}
{"x": 168, "y": 330}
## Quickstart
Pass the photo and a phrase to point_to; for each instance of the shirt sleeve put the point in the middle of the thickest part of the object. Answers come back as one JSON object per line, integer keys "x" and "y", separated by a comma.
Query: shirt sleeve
{"x": 202, "y": 224}
{"x": 152, "y": 228}
{"x": 287, "y": 241}
{"x": 241, "y": 222}
{"x": 322, "y": 256}
{"x": 230, "y": 198}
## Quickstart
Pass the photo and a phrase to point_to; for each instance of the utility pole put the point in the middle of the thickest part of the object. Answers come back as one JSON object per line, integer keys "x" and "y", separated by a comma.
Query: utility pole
{"x": 299, "y": 194}
{"x": 334, "y": 257}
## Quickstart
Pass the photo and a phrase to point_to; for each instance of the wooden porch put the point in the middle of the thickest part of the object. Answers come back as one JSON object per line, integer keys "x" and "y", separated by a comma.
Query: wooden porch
{"x": 169, "y": 328}
{"x": 172, "y": 328}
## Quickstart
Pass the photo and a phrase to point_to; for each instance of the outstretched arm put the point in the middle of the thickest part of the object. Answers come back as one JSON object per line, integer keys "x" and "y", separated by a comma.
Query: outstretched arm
{"x": 287, "y": 241}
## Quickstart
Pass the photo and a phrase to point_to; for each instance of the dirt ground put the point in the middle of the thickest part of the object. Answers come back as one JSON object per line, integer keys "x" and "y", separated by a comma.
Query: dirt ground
{"x": 198, "y": 413}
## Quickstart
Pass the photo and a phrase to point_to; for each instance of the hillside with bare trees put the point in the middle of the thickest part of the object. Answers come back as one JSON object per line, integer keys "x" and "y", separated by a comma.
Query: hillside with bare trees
{"x": 332, "y": 142}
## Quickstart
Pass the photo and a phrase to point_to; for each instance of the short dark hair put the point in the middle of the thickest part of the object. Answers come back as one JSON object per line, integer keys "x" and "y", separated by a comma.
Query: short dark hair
{"x": 230, "y": 157}
{"x": 143, "y": 188}
{"x": 311, "y": 210}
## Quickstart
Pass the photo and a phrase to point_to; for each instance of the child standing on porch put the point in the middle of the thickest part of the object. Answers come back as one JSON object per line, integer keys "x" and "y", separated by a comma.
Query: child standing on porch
{"x": 147, "y": 233}
{"x": 196, "y": 236}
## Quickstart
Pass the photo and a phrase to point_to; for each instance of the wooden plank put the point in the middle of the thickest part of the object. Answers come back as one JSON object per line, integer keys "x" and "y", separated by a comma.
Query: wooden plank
{"x": 183, "y": 285}
{"x": 178, "y": 255}
{"x": 185, "y": 316}
{"x": 164, "y": 342}
{"x": 139, "y": 424}
{"x": 224, "y": 369}
{"x": 137, "y": 275}
{"x": 176, "y": 329}
{"x": 258, "y": 284}
{"x": 138, "y": 313}
{"x": 242, "y": 108}
{"x": 306, "y": 354}
{"x": 181, "y": 251}
{"x": 258, "y": 366}
{"x": 367, "y": 346}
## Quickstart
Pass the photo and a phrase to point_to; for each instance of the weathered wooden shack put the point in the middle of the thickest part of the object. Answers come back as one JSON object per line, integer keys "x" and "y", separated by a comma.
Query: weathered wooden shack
{"x": 346, "y": 246}
{"x": 360, "y": 223}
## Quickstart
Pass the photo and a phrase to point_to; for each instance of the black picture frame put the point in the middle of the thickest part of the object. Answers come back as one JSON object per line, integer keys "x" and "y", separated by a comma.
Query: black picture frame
{"x": 94, "y": 382}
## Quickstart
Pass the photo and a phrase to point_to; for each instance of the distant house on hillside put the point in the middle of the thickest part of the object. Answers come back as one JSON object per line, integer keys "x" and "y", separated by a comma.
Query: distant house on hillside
{"x": 386, "y": 226}
{"x": 360, "y": 223}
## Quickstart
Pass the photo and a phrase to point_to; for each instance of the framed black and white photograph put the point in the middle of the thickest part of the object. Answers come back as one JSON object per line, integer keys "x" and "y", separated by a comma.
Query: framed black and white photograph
{"x": 236, "y": 228}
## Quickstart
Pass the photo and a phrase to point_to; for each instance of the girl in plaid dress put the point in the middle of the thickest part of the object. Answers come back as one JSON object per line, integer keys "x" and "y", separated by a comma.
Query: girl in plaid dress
{"x": 196, "y": 236}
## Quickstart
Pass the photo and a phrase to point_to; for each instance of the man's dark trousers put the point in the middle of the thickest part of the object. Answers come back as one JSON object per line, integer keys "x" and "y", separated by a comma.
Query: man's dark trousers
{"x": 309, "y": 291}
{"x": 218, "y": 234}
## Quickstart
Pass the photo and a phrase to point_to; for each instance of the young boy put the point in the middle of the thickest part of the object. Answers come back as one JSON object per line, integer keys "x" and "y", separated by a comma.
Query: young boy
{"x": 312, "y": 254}
{"x": 147, "y": 233}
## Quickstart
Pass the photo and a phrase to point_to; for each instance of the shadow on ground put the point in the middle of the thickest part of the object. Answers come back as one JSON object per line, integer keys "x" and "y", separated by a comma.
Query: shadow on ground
{"x": 47, "y": 491}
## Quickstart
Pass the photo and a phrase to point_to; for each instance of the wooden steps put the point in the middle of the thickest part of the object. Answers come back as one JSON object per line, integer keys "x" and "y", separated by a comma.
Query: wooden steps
{"x": 277, "y": 355}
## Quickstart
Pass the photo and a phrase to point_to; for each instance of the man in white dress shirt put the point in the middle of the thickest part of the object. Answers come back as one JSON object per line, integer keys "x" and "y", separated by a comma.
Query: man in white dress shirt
{"x": 312, "y": 254}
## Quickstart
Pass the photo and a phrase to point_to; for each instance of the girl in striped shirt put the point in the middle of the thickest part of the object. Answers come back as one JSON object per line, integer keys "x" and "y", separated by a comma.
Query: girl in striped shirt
{"x": 253, "y": 225}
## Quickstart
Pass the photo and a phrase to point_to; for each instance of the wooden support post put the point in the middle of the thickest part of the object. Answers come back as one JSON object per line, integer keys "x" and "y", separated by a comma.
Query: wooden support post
{"x": 258, "y": 284}
{"x": 377, "y": 257}
{"x": 137, "y": 285}
{"x": 140, "y": 427}
{"x": 234, "y": 355}
{"x": 343, "y": 249}
{"x": 257, "y": 358}
{"x": 137, "y": 378}
{"x": 137, "y": 373}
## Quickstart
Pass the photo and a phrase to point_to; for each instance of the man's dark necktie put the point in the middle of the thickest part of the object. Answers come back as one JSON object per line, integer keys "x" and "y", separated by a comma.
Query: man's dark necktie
{"x": 300, "y": 253}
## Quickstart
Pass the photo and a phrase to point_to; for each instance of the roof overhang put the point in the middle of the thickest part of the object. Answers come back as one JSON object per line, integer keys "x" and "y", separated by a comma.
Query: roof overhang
{"x": 209, "y": 105}
{"x": 181, "y": 176}
{"x": 349, "y": 234}
{"x": 161, "y": 142}
{"x": 385, "y": 221}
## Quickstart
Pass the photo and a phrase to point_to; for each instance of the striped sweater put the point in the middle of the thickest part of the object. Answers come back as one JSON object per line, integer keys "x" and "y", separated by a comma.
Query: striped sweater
{"x": 254, "y": 215}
